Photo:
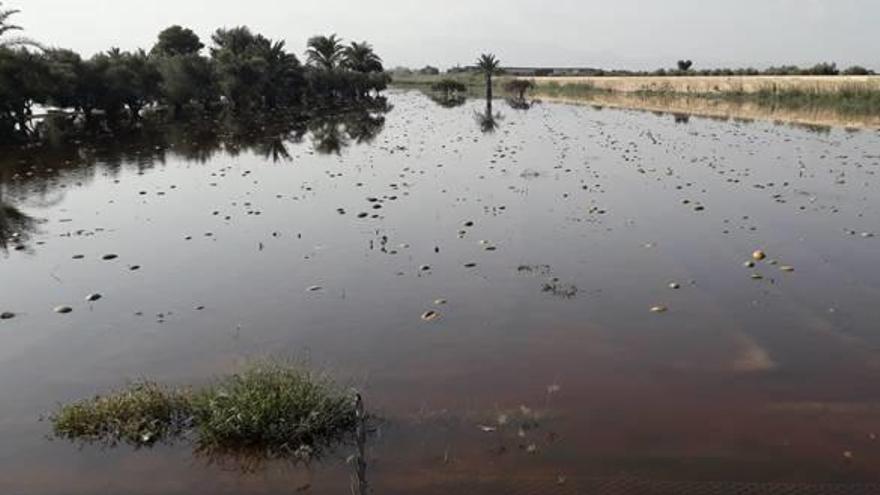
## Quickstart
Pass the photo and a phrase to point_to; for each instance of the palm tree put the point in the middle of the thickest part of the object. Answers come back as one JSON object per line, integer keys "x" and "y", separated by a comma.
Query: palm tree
{"x": 6, "y": 27}
{"x": 361, "y": 57}
{"x": 325, "y": 52}
{"x": 282, "y": 73}
{"x": 489, "y": 65}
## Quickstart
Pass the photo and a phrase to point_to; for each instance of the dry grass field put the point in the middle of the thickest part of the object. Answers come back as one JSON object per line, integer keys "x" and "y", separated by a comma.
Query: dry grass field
{"x": 720, "y": 84}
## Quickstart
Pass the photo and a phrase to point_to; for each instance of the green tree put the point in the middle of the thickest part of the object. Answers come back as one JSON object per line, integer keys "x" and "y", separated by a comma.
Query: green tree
{"x": 241, "y": 71}
{"x": 325, "y": 52}
{"x": 177, "y": 40}
{"x": 93, "y": 90}
{"x": 489, "y": 66}
{"x": 24, "y": 78}
{"x": 360, "y": 57}
{"x": 284, "y": 76}
{"x": 254, "y": 71}
{"x": 133, "y": 80}
{"x": 857, "y": 70}
{"x": 66, "y": 74}
{"x": 187, "y": 79}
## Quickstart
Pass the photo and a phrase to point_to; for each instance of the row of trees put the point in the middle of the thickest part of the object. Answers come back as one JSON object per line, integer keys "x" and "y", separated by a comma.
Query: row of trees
{"x": 685, "y": 68}
{"x": 821, "y": 69}
{"x": 242, "y": 72}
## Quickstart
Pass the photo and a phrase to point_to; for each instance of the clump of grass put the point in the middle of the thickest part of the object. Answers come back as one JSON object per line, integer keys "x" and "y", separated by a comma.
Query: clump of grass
{"x": 276, "y": 409}
{"x": 267, "y": 411}
{"x": 143, "y": 414}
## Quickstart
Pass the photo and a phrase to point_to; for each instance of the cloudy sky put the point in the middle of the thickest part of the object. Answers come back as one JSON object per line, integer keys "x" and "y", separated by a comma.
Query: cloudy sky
{"x": 608, "y": 33}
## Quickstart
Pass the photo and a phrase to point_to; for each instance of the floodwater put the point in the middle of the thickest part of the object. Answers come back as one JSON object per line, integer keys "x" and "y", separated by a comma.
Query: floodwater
{"x": 548, "y": 241}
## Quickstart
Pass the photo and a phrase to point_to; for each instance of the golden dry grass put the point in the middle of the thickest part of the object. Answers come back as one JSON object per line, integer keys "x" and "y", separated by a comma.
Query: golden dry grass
{"x": 721, "y": 84}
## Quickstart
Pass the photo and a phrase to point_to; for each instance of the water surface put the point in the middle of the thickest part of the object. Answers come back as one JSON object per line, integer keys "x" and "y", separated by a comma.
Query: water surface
{"x": 550, "y": 239}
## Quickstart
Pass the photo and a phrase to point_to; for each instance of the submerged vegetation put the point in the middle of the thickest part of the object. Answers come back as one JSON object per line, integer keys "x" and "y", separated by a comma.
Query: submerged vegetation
{"x": 245, "y": 73}
{"x": 268, "y": 411}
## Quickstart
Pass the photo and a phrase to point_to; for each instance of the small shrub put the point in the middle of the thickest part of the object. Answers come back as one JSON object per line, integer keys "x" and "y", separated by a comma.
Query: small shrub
{"x": 519, "y": 87}
{"x": 449, "y": 87}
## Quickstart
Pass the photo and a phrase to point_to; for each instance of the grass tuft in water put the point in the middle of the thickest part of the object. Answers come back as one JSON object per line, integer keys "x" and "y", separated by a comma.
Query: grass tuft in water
{"x": 141, "y": 415}
{"x": 267, "y": 411}
{"x": 276, "y": 409}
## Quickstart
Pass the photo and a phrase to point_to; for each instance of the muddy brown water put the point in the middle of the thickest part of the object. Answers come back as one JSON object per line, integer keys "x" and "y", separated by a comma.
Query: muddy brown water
{"x": 546, "y": 372}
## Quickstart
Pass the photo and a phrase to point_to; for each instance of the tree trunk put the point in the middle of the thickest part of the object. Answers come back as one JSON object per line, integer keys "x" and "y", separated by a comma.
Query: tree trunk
{"x": 489, "y": 86}
{"x": 135, "y": 111}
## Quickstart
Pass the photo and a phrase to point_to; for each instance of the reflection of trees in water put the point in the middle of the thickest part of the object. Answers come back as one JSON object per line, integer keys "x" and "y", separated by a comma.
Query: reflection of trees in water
{"x": 488, "y": 120}
{"x": 42, "y": 176}
{"x": 331, "y": 134}
{"x": 448, "y": 101}
{"x": 681, "y": 118}
{"x": 519, "y": 103}
{"x": 16, "y": 227}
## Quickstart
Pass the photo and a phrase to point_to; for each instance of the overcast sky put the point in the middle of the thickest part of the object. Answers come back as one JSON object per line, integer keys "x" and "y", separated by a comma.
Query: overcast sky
{"x": 608, "y": 33}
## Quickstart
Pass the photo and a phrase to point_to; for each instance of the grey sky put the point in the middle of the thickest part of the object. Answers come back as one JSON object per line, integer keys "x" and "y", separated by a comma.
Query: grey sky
{"x": 608, "y": 33}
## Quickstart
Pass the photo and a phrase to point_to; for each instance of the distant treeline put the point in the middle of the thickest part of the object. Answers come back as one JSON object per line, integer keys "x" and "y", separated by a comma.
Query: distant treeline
{"x": 242, "y": 73}
{"x": 683, "y": 68}
{"x": 821, "y": 69}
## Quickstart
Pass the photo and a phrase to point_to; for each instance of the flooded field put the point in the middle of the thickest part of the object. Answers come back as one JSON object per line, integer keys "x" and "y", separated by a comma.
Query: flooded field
{"x": 555, "y": 299}
{"x": 821, "y": 119}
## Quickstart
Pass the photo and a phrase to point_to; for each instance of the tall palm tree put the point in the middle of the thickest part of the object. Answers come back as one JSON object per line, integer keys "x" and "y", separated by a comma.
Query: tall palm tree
{"x": 6, "y": 27}
{"x": 489, "y": 65}
{"x": 325, "y": 52}
{"x": 361, "y": 57}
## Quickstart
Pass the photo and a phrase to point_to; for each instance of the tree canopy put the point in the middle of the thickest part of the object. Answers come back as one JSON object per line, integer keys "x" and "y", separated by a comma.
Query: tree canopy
{"x": 361, "y": 57}
{"x": 489, "y": 65}
{"x": 325, "y": 52}
{"x": 243, "y": 72}
{"x": 177, "y": 40}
